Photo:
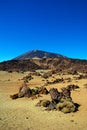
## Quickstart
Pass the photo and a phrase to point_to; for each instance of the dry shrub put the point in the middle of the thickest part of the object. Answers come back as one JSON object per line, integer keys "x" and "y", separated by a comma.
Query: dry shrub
{"x": 66, "y": 106}
{"x": 65, "y": 110}
{"x": 34, "y": 91}
{"x": 59, "y": 106}
{"x": 44, "y": 103}
{"x": 66, "y": 99}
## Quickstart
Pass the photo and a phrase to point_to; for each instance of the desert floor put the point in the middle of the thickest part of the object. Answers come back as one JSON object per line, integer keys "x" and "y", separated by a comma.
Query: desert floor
{"x": 22, "y": 114}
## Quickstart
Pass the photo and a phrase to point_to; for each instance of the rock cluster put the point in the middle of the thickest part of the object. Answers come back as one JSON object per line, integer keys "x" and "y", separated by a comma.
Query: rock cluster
{"x": 60, "y": 101}
{"x": 59, "y": 80}
{"x": 25, "y": 91}
{"x": 27, "y": 78}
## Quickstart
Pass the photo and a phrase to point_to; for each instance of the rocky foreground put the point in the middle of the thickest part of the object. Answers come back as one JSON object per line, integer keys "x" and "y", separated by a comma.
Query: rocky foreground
{"x": 35, "y": 109}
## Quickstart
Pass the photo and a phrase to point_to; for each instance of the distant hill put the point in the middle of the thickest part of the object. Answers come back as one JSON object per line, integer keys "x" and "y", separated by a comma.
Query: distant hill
{"x": 37, "y": 54}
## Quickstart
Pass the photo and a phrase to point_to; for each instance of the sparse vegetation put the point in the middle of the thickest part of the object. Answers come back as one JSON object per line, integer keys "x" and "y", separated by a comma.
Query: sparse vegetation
{"x": 66, "y": 106}
{"x": 44, "y": 103}
{"x": 61, "y": 101}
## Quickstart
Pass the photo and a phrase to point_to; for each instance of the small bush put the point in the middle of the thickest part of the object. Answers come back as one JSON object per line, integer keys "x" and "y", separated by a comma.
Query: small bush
{"x": 59, "y": 106}
{"x": 65, "y": 110}
{"x": 34, "y": 91}
{"x": 44, "y": 103}
{"x": 66, "y": 106}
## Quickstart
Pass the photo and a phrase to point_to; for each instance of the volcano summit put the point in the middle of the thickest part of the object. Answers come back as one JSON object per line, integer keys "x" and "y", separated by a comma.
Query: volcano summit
{"x": 35, "y": 54}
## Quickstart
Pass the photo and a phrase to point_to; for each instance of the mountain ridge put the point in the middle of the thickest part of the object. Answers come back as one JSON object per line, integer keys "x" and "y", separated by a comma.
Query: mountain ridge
{"x": 37, "y": 59}
{"x": 37, "y": 54}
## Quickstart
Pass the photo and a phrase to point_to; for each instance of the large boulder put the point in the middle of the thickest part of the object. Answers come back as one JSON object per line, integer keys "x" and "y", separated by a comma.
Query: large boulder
{"x": 24, "y": 91}
{"x": 55, "y": 95}
{"x": 66, "y": 93}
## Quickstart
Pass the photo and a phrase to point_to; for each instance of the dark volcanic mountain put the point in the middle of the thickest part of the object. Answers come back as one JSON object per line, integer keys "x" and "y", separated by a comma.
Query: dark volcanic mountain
{"x": 37, "y": 54}
{"x": 37, "y": 59}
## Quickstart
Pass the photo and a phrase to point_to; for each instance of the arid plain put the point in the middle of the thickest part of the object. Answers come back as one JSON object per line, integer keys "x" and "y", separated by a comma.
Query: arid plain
{"x": 22, "y": 113}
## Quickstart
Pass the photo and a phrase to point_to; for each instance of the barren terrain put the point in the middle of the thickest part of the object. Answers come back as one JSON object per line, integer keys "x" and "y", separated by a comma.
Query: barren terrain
{"x": 22, "y": 114}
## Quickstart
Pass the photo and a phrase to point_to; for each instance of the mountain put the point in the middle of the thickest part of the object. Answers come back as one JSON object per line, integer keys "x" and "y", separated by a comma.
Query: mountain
{"x": 35, "y": 54}
{"x": 38, "y": 59}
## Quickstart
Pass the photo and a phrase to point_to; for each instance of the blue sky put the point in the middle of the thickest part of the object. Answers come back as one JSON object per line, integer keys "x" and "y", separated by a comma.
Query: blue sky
{"x": 58, "y": 26}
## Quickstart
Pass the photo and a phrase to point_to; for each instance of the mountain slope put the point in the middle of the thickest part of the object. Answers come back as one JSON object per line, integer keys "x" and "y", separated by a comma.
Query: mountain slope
{"x": 37, "y": 54}
{"x": 37, "y": 59}
{"x": 19, "y": 65}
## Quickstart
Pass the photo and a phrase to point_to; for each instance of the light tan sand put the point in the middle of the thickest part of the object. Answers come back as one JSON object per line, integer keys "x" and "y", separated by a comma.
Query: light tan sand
{"x": 22, "y": 114}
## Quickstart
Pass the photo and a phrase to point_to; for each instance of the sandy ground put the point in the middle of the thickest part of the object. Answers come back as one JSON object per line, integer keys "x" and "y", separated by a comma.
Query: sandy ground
{"x": 22, "y": 114}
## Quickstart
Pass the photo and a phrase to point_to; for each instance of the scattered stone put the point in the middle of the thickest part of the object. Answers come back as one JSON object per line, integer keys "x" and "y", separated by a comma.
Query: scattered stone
{"x": 69, "y": 79}
{"x": 51, "y": 106}
{"x": 73, "y": 72}
{"x": 33, "y": 97}
{"x": 42, "y": 90}
{"x": 9, "y": 71}
{"x": 56, "y": 81}
{"x": 45, "y": 76}
{"x": 81, "y": 76}
{"x": 72, "y": 87}
{"x": 27, "y": 78}
{"x": 72, "y": 120}
{"x": 35, "y": 73}
{"x": 15, "y": 96}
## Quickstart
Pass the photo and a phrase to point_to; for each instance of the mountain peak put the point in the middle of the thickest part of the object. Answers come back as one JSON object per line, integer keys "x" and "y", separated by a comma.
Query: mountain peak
{"x": 37, "y": 54}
